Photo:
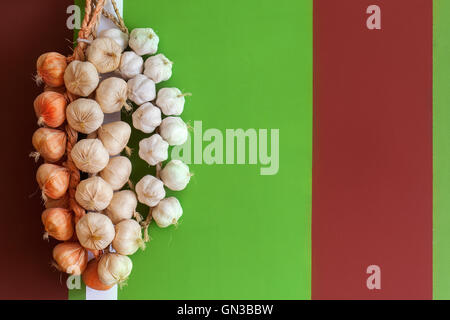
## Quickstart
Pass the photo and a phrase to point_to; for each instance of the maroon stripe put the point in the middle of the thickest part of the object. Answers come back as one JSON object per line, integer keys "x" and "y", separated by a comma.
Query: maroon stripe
{"x": 29, "y": 29}
{"x": 372, "y": 172}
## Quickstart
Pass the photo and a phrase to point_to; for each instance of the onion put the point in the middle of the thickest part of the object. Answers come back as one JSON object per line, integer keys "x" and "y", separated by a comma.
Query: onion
{"x": 50, "y": 109}
{"x": 57, "y": 223}
{"x": 70, "y": 257}
{"x": 90, "y": 277}
{"x": 53, "y": 180}
{"x": 49, "y": 143}
{"x": 50, "y": 69}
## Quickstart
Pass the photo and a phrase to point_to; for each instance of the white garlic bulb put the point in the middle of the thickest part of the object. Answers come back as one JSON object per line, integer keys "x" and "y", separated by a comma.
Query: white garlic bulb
{"x": 89, "y": 155}
{"x": 131, "y": 65}
{"x": 150, "y": 190}
{"x": 114, "y": 136}
{"x": 81, "y": 78}
{"x": 141, "y": 89}
{"x": 128, "y": 238}
{"x": 112, "y": 94}
{"x": 167, "y": 212}
{"x": 123, "y": 206}
{"x": 153, "y": 150}
{"x": 117, "y": 172}
{"x": 121, "y": 38}
{"x": 95, "y": 231}
{"x": 171, "y": 101}
{"x": 84, "y": 115}
{"x": 158, "y": 68}
{"x": 114, "y": 268}
{"x": 174, "y": 131}
{"x": 147, "y": 118}
{"x": 94, "y": 194}
{"x": 176, "y": 175}
{"x": 104, "y": 54}
{"x": 144, "y": 41}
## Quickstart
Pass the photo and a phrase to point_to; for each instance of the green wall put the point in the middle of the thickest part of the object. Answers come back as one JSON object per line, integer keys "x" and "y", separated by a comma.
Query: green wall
{"x": 441, "y": 150}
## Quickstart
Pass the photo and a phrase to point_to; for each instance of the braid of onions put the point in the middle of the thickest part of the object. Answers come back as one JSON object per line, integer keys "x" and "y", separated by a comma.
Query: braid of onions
{"x": 112, "y": 227}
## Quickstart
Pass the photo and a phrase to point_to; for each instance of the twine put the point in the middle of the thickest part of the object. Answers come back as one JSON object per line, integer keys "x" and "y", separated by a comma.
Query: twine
{"x": 92, "y": 11}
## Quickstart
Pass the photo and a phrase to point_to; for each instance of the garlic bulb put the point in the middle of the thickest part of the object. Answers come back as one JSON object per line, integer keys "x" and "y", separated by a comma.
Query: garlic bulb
{"x": 153, "y": 150}
{"x": 123, "y": 206}
{"x": 114, "y": 136}
{"x": 171, "y": 101}
{"x": 175, "y": 175}
{"x": 114, "y": 268}
{"x": 53, "y": 180}
{"x": 84, "y": 115}
{"x": 95, "y": 231}
{"x": 141, "y": 89}
{"x": 147, "y": 118}
{"x": 117, "y": 172}
{"x": 94, "y": 194}
{"x": 81, "y": 78}
{"x": 89, "y": 155}
{"x": 112, "y": 95}
{"x": 104, "y": 54}
{"x": 128, "y": 238}
{"x": 49, "y": 143}
{"x": 144, "y": 41}
{"x": 70, "y": 257}
{"x": 174, "y": 131}
{"x": 167, "y": 212}
{"x": 121, "y": 38}
{"x": 158, "y": 68}
{"x": 131, "y": 65}
{"x": 150, "y": 190}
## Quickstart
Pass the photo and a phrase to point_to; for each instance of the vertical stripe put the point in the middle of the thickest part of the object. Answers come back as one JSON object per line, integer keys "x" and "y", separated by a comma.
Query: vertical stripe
{"x": 242, "y": 235}
{"x": 372, "y": 168}
{"x": 441, "y": 152}
{"x": 86, "y": 292}
{"x": 33, "y": 29}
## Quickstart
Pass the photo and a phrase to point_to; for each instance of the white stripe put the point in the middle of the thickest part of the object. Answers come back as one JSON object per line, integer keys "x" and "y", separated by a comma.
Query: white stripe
{"x": 110, "y": 294}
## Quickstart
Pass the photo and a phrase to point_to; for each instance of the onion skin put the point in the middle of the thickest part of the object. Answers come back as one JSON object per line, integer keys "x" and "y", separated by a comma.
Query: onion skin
{"x": 70, "y": 257}
{"x": 49, "y": 143}
{"x": 58, "y": 223}
{"x": 50, "y": 69}
{"x": 50, "y": 109}
{"x": 90, "y": 277}
{"x": 63, "y": 202}
{"x": 53, "y": 180}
